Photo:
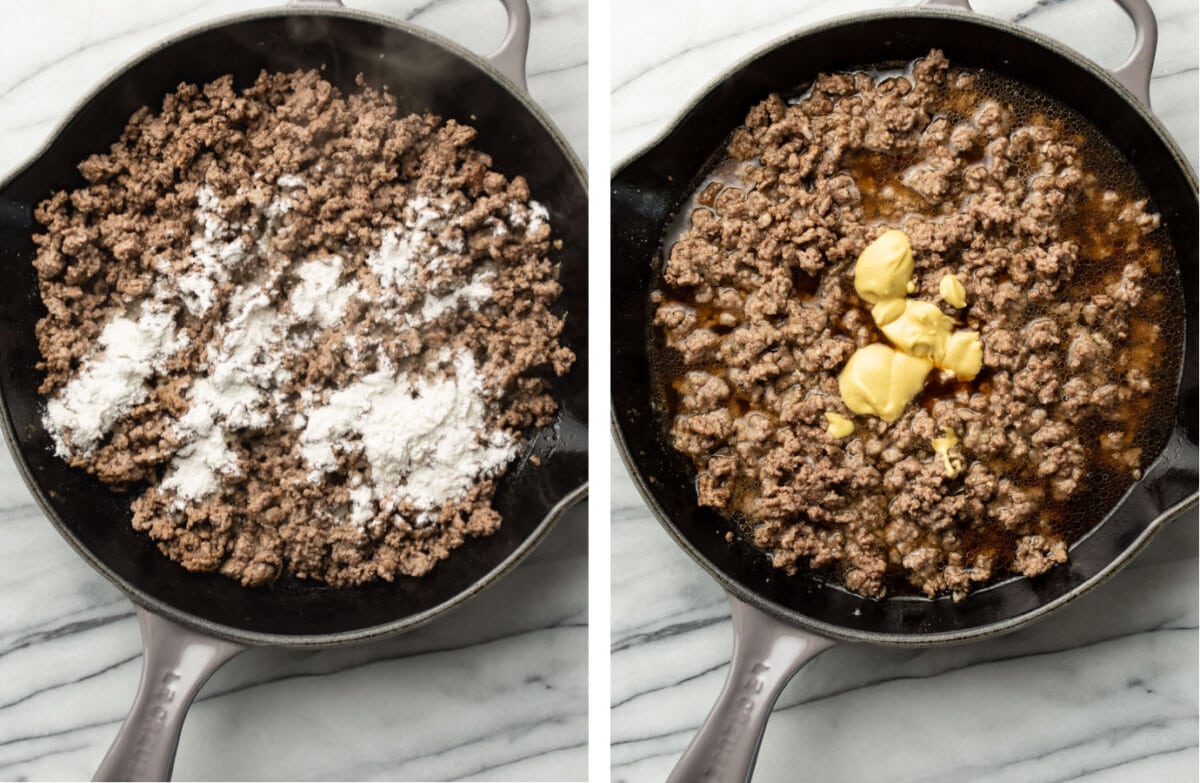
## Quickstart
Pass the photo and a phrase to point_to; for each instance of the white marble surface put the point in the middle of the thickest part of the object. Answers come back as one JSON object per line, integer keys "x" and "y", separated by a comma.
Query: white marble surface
{"x": 495, "y": 691}
{"x": 1105, "y": 690}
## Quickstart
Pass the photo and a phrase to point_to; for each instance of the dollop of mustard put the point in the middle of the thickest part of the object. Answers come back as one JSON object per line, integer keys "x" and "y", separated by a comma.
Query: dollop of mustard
{"x": 952, "y": 291}
{"x": 884, "y": 270}
{"x": 880, "y": 381}
{"x": 921, "y": 330}
{"x": 924, "y": 330}
{"x": 963, "y": 354}
{"x": 888, "y": 310}
{"x": 837, "y": 425}
{"x": 942, "y": 446}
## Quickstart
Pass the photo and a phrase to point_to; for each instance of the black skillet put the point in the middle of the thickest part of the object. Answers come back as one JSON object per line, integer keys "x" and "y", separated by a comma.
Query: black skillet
{"x": 192, "y": 623}
{"x": 781, "y": 622}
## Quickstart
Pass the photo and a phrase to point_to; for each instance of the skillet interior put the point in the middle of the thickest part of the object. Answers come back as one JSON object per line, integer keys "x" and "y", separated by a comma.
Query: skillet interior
{"x": 423, "y": 74}
{"x": 648, "y": 190}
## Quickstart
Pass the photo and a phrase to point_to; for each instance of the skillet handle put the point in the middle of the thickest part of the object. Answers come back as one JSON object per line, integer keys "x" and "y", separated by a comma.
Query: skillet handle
{"x": 176, "y": 661}
{"x": 510, "y": 57}
{"x": 1134, "y": 73}
{"x": 766, "y": 653}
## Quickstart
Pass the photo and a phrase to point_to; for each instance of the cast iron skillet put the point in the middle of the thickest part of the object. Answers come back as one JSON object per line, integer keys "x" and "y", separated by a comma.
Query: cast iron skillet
{"x": 191, "y": 623}
{"x": 781, "y": 622}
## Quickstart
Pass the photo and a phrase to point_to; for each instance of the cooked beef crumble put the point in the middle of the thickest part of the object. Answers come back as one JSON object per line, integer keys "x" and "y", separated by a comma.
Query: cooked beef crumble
{"x": 1064, "y": 280}
{"x": 329, "y": 245}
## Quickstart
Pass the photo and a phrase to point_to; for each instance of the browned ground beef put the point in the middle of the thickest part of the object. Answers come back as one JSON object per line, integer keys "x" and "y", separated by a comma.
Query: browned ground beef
{"x": 358, "y": 168}
{"x": 759, "y": 309}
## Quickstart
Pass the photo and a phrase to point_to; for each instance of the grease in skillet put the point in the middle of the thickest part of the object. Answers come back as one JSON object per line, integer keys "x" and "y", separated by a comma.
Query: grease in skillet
{"x": 1061, "y": 264}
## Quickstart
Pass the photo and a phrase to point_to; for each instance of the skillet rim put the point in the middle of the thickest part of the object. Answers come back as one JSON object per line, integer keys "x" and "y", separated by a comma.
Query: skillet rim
{"x": 164, "y": 609}
{"x": 735, "y": 588}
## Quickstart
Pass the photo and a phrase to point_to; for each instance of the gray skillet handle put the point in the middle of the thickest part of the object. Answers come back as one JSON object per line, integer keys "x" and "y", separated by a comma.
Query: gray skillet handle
{"x": 509, "y": 59}
{"x": 176, "y": 661}
{"x": 1134, "y": 73}
{"x": 766, "y": 653}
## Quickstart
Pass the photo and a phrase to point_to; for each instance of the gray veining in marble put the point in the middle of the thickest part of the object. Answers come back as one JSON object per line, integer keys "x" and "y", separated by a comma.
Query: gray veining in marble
{"x": 495, "y": 691}
{"x": 1104, "y": 691}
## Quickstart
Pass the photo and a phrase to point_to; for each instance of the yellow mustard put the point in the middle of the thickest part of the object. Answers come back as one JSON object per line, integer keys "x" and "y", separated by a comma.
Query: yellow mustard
{"x": 887, "y": 310}
{"x": 838, "y": 425}
{"x": 963, "y": 354}
{"x": 952, "y": 291}
{"x": 924, "y": 331}
{"x": 880, "y": 381}
{"x": 921, "y": 330}
{"x": 884, "y": 270}
{"x": 942, "y": 446}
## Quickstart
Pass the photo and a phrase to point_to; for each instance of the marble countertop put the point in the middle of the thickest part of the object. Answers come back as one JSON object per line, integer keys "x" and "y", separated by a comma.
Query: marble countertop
{"x": 495, "y": 691}
{"x": 1105, "y": 690}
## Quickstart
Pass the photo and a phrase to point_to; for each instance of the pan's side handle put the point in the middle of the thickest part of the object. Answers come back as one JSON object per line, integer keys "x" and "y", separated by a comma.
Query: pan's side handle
{"x": 766, "y": 653}
{"x": 509, "y": 58}
{"x": 1134, "y": 73}
{"x": 176, "y": 661}
{"x": 961, "y": 5}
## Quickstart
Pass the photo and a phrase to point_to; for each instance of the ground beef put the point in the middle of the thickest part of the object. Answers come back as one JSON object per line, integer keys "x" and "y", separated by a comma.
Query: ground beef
{"x": 348, "y": 169}
{"x": 758, "y": 308}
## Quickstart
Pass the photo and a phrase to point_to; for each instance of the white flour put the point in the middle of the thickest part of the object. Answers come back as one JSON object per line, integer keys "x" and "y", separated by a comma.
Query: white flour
{"x": 425, "y": 439}
{"x": 244, "y": 367}
{"x": 214, "y": 254}
{"x": 474, "y": 293}
{"x": 538, "y": 217}
{"x": 362, "y": 509}
{"x": 403, "y": 251}
{"x": 113, "y": 380}
{"x": 319, "y": 297}
{"x": 230, "y": 397}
